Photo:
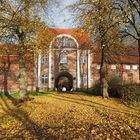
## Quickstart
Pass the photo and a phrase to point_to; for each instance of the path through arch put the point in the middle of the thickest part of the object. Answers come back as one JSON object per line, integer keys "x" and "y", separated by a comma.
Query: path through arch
{"x": 64, "y": 79}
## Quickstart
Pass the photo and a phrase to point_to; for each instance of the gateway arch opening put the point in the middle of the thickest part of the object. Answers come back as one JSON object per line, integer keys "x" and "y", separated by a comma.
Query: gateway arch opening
{"x": 64, "y": 80}
{"x": 64, "y": 53}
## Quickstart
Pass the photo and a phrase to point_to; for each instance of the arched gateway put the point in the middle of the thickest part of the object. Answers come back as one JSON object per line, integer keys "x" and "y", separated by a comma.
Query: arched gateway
{"x": 64, "y": 44}
{"x": 65, "y": 62}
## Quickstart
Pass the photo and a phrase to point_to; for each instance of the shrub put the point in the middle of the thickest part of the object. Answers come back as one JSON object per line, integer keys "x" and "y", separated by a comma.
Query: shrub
{"x": 95, "y": 90}
{"x": 114, "y": 83}
{"x": 112, "y": 89}
{"x": 129, "y": 93}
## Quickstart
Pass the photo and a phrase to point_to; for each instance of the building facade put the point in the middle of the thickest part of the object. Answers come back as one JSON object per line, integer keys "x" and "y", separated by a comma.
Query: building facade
{"x": 66, "y": 64}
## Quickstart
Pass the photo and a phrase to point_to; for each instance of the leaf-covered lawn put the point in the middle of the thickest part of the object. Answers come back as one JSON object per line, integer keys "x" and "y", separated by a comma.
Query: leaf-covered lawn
{"x": 68, "y": 117}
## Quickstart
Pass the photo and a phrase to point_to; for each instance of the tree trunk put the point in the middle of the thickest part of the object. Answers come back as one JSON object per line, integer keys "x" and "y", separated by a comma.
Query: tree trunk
{"x": 103, "y": 82}
{"x": 139, "y": 56}
{"x": 22, "y": 72}
{"x": 101, "y": 73}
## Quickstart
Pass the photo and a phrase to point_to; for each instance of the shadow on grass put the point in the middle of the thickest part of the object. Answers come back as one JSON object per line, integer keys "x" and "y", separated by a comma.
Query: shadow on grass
{"x": 11, "y": 98}
{"x": 22, "y": 117}
{"x": 92, "y": 104}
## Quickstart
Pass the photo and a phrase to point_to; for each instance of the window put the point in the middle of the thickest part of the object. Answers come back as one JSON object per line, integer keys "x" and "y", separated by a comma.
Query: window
{"x": 83, "y": 59}
{"x": 44, "y": 79}
{"x": 134, "y": 67}
{"x": 127, "y": 67}
{"x": 44, "y": 59}
{"x": 71, "y": 43}
{"x": 98, "y": 67}
{"x": 64, "y": 41}
{"x": 63, "y": 59}
{"x": 84, "y": 78}
{"x": 113, "y": 67}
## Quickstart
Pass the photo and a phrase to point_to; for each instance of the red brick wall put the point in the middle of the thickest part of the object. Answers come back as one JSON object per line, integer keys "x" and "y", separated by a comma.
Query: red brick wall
{"x": 12, "y": 74}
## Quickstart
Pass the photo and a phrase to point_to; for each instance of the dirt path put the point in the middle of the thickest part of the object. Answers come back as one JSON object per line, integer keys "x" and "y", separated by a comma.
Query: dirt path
{"x": 69, "y": 117}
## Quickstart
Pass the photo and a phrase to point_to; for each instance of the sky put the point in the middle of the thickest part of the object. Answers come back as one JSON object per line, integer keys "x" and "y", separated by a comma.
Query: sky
{"x": 60, "y": 16}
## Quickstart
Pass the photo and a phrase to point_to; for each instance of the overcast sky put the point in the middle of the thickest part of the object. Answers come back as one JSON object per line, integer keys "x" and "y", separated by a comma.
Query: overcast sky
{"x": 59, "y": 15}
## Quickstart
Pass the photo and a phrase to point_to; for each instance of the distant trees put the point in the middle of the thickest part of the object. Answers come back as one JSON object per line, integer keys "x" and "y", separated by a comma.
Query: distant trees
{"x": 19, "y": 21}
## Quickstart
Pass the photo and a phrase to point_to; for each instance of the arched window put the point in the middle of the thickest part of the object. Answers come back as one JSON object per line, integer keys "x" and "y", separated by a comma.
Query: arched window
{"x": 44, "y": 79}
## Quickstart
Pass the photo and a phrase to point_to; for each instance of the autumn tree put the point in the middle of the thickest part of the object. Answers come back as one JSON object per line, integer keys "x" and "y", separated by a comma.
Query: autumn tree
{"x": 19, "y": 22}
{"x": 130, "y": 20}
{"x": 100, "y": 19}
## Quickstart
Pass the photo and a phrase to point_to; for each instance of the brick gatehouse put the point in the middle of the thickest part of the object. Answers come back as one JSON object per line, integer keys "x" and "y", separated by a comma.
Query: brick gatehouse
{"x": 67, "y": 64}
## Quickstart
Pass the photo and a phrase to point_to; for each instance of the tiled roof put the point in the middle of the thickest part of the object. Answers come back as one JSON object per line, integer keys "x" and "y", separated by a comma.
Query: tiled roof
{"x": 130, "y": 56}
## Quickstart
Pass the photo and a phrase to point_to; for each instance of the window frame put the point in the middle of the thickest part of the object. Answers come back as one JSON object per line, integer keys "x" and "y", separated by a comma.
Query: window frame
{"x": 83, "y": 60}
{"x": 127, "y": 67}
{"x": 135, "y": 67}
{"x": 44, "y": 79}
{"x": 98, "y": 66}
{"x": 84, "y": 78}
{"x": 113, "y": 67}
{"x": 63, "y": 59}
{"x": 44, "y": 59}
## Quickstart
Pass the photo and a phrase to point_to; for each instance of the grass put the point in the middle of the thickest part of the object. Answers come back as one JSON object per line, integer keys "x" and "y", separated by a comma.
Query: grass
{"x": 67, "y": 116}
{"x": 40, "y": 93}
{"x": 16, "y": 95}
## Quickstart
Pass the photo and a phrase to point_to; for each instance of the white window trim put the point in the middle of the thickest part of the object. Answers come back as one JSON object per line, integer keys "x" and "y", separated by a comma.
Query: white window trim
{"x": 135, "y": 67}
{"x": 113, "y": 66}
{"x": 98, "y": 66}
{"x": 127, "y": 67}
